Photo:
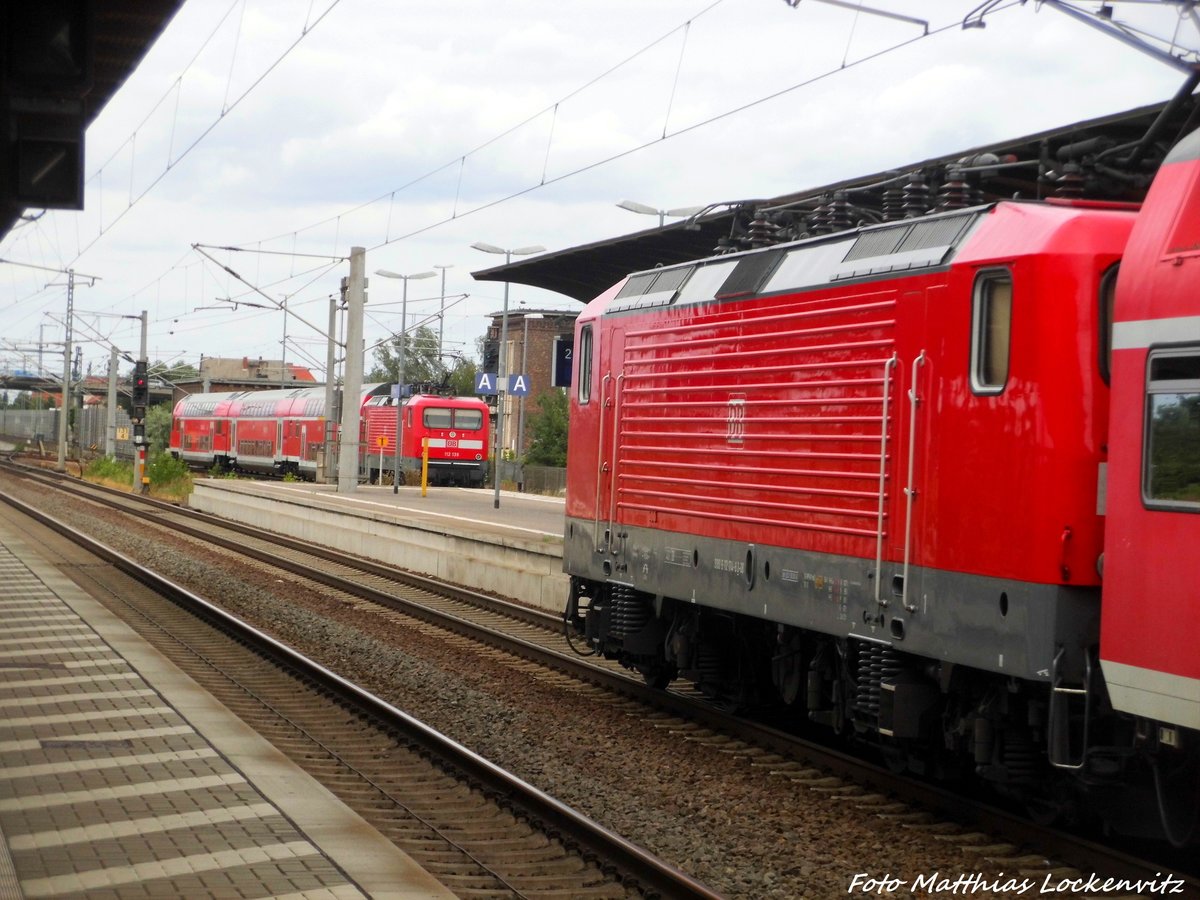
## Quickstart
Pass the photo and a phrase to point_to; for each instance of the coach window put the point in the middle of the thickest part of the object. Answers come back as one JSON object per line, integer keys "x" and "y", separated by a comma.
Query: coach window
{"x": 1172, "y": 457}
{"x": 585, "y": 364}
{"x": 1108, "y": 294}
{"x": 991, "y": 331}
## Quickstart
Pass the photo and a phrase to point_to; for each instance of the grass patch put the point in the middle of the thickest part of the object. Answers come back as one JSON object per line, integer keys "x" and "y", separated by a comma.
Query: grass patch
{"x": 169, "y": 477}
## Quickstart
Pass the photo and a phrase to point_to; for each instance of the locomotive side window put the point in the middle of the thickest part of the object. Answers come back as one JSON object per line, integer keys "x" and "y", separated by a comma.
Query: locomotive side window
{"x": 1108, "y": 294}
{"x": 705, "y": 282}
{"x": 584, "y": 379}
{"x": 991, "y": 331}
{"x": 1172, "y": 456}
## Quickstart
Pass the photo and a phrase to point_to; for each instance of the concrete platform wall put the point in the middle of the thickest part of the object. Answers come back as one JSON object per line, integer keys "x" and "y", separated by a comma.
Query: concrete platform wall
{"x": 525, "y": 571}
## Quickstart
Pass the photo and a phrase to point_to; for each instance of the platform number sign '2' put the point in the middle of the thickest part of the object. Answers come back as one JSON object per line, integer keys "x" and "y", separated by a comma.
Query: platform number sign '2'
{"x": 735, "y": 419}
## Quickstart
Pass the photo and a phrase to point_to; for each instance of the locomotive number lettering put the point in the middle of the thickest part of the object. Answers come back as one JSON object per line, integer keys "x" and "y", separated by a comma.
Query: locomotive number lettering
{"x": 735, "y": 419}
{"x": 737, "y": 567}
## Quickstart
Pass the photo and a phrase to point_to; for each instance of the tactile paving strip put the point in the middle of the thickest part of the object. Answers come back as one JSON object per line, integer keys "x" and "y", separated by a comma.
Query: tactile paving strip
{"x": 106, "y": 791}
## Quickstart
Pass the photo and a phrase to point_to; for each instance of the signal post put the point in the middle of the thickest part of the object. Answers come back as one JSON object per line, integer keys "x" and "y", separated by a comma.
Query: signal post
{"x": 141, "y": 399}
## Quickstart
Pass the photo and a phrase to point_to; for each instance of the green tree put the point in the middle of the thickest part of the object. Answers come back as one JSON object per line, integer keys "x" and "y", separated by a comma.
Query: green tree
{"x": 158, "y": 427}
{"x": 421, "y": 360}
{"x": 1175, "y": 447}
{"x": 549, "y": 429}
{"x": 171, "y": 372}
{"x": 174, "y": 372}
{"x": 22, "y": 400}
{"x": 462, "y": 377}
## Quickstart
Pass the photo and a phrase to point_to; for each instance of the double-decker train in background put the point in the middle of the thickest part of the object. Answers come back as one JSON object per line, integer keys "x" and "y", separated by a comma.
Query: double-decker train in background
{"x": 282, "y": 432}
{"x": 934, "y": 482}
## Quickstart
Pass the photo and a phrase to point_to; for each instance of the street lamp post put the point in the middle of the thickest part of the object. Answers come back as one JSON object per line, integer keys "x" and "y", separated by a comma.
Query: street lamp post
{"x": 634, "y": 206}
{"x": 502, "y": 374}
{"x": 400, "y": 379}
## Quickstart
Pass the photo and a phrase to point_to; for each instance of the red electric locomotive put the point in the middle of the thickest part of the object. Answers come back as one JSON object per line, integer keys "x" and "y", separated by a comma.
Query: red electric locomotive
{"x": 868, "y": 474}
{"x": 456, "y": 429}
{"x": 283, "y": 431}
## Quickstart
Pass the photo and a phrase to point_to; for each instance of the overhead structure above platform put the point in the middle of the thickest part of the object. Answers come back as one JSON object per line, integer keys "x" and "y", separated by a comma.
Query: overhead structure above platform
{"x": 1112, "y": 159}
{"x": 61, "y": 61}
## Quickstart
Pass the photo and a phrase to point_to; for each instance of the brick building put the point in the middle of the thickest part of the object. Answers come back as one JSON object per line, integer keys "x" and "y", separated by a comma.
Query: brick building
{"x": 539, "y": 343}
{"x": 218, "y": 375}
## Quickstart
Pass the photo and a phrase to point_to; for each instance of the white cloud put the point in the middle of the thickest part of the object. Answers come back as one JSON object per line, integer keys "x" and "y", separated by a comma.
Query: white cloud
{"x": 384, "y": 96}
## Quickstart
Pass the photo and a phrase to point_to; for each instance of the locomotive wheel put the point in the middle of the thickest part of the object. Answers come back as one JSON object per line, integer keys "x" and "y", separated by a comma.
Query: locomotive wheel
{"x": 1043, "y": 811}
{"x": 895, "y": 758}
{"x": 658, "y": 676}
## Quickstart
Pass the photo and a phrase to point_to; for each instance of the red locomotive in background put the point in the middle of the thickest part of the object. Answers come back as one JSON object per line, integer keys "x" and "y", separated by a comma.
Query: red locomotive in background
{"x": 283, "y": 431}
{"x": 933, "y": 482}
{"x": 455, "y": 427}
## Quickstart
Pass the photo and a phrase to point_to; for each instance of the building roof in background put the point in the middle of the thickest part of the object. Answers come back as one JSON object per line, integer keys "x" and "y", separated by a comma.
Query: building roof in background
{"x": 251, "y": 371}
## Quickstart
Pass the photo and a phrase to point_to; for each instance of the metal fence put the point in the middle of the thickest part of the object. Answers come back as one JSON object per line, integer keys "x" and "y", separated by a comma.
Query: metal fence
{"x": 535, "y": 479}
{"x": 29, "y": 424}
{"x": 32, "y": 425}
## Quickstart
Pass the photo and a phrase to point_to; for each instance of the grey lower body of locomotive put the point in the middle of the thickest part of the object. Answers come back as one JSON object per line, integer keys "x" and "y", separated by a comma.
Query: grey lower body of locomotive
{"x": 1012, "y": 628}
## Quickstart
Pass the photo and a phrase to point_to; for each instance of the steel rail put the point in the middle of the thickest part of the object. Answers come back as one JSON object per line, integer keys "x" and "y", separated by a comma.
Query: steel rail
{"x": 643, "y": 867}
{"x": 1076, "y": 850}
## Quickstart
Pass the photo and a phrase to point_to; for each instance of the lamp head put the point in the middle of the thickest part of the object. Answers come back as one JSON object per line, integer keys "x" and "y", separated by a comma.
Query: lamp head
{"x": 634, "y": 206}
{"x": 388, "y": 274}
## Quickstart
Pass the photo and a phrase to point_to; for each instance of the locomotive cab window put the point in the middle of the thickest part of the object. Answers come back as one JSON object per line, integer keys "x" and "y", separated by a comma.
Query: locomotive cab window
{"x": 991, "y": 331}
{"x": 447, "y": 417}
{"x": 468, "y": 419}
{"x": 584, "y": 375}
{"x": 438, "y": 417}
{"x": 1172, "y": 456}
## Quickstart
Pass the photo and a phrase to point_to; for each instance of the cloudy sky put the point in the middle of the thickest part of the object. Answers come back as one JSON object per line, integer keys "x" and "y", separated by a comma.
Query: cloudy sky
{"x": 296, "y": 130}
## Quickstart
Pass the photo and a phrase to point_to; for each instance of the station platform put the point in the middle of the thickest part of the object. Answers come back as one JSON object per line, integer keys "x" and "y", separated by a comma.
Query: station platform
{"x": 121, "y": 778}
{"x": 519, "y": 517}
{"x": 455, "y": 534}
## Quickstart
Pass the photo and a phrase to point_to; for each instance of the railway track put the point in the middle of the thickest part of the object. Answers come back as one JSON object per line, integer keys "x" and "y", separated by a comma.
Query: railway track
{"x": 480, "y": 830}
{"x": 981, "y": 831}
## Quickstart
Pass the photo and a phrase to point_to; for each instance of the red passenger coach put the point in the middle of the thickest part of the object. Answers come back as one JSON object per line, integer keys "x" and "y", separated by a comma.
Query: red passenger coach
{"x": 283, "y": 431}
{"x": 867, "y": 475}
{"x": 1150, "y": 634}
{"x": 267, "y": 432}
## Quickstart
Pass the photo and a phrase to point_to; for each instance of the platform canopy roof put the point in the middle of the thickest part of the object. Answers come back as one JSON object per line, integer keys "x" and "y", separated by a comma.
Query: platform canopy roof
{"x": 61, "y": 61}
{"x": 1111, "y": 158}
